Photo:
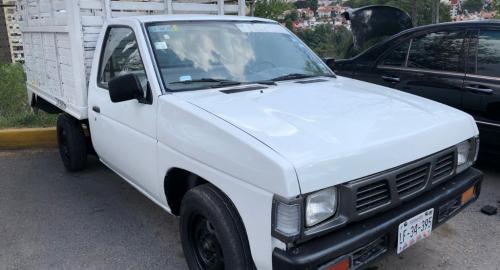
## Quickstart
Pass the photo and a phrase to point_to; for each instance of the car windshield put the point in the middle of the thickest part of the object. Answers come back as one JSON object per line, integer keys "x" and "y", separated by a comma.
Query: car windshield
{"x": 200, "y": 55}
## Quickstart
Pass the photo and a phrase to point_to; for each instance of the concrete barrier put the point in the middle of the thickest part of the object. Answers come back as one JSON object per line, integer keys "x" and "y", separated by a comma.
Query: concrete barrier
{"x": 28, "y": 138}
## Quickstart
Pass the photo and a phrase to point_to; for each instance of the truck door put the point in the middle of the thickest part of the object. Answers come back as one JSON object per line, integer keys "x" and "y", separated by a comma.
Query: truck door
{"x": 124, "y": 133}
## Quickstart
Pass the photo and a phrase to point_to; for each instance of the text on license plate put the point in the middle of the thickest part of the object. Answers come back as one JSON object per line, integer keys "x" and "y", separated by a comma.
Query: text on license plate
{"x": 415, "y": 229}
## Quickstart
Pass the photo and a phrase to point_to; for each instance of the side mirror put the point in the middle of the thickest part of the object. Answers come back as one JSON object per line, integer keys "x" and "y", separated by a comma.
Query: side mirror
{"x": 330, "y": 62}
{"x": 125, "y": 87}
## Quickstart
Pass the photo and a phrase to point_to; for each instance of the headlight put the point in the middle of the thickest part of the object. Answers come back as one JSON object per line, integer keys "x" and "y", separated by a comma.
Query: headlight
{"x": 467, "y": 153}
{"x": 320, "y": 206}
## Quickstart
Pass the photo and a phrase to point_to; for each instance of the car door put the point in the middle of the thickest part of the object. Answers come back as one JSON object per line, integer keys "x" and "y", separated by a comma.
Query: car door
{"x": 433, "y": 68}
{"x": 124, "y": 133}
{"x": 482, "y": 81}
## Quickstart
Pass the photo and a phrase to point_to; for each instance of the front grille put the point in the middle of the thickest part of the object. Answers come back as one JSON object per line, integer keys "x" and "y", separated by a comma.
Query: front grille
{"x": 373, "y": 195}
{"x": 412, "y": 180}
{"x": 443, "y": 167}
{"x": 378, "y": 192}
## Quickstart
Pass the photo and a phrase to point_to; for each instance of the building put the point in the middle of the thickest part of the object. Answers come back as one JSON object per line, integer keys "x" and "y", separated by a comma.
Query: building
{"x": 325, "y": 11}
{"x": 5, "y": 54}
{"x": 456, "y": 6}
{"x": 13, "y": 31}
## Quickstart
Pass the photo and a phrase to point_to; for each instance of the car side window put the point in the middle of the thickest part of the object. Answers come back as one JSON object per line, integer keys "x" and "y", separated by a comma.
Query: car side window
{"x": 487, "y": 62}
{"x": 396, "y": 56}
{"x": 440, "y": 51}
{"x": 120, "y": 56}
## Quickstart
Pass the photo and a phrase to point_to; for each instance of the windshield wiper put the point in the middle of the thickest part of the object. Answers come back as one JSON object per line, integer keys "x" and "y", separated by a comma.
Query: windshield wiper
{"x": 293, "y": 76}
{"x": 265, "y": 82}
{"x": 220, "y": 82}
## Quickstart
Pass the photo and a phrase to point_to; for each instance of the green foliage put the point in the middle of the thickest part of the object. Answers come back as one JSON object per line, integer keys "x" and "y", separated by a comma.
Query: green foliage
{"x": 314, "y": 5}
{"x": 420, "y": 11}
{"x": 271, "y": 9}
{"x": 473, "y": 5}
{"x": 14, "y": 110}
{"x": 292, "y": 15}
{"x": 496, "y": 6}
{"x": 327, "y": 42}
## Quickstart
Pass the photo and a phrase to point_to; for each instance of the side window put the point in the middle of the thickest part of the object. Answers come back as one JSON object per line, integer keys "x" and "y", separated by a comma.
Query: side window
{"x": 488, "y": 54}
{"x": 441, "y": 51}
{"x": 396, "y": 56}
{"x": 120, "y": 56}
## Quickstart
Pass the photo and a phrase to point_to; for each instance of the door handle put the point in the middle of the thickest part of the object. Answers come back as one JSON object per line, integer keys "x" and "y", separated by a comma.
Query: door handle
{"x": 96, "y": 109}
{"x": 479, "y": 89}
{"x": 391, "y": 79}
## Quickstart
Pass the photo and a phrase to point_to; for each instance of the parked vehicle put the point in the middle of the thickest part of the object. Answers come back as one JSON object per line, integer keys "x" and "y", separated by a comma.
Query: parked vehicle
{"x": 457, "y": 64}
{"x": 233, "y": 124}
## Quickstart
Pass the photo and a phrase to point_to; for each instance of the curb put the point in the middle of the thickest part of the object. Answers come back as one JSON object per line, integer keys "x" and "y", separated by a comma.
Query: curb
{"x": 28, "y": 138}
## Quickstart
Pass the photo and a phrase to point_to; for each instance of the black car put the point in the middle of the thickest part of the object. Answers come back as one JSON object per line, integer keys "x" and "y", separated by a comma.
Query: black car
{"x": 457, "y": 64}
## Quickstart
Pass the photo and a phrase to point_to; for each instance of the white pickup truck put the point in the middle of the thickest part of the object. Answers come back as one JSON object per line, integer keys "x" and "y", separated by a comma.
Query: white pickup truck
{"x": 232, "y": 123}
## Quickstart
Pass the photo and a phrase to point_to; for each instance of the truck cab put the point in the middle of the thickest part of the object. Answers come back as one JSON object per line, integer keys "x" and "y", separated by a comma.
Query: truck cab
{"x": 269, "y": 159}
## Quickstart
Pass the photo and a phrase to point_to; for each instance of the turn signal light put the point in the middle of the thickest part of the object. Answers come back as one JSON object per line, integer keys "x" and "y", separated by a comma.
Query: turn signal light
{"x": 339, "y": 265}
{"x": 468, "y": 195}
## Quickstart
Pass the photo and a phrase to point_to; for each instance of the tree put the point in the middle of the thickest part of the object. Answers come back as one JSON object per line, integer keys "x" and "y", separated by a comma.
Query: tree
{"x": 271, "y": 9}
{"x": 473, "y": 5}
{"x": 314, "y": 5}
{"x": 435, "y": 10}
{"x": 496, "y": 6}
{"x": 327, "y": 42}
{"x": 421, "y": 11}
{"x": 292, "y": 15}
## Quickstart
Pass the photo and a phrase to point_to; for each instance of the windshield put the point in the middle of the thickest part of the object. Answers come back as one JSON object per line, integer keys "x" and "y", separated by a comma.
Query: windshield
{"x": 197, "y": 55}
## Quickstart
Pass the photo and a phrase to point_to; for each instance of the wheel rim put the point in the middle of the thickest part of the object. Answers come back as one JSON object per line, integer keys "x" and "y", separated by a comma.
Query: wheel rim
{"x": 207, "y": 248}
{"x": 63, "y": 144}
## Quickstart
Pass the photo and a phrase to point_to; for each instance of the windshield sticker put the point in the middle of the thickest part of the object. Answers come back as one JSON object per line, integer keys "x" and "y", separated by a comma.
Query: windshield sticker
{"x": 160, "y": 28}
{"x": 261, "y": 28}
{"x": 185, "y": 78}
{"x": 161, "y": 45}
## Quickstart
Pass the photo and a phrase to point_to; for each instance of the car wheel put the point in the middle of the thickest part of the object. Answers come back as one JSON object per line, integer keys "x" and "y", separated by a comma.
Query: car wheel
{"x": 72, "y": 143}
{"x": 212, "y": 233}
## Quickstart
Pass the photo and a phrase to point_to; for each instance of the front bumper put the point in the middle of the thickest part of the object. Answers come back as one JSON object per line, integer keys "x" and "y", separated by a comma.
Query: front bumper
{"x": 380, "y": 229}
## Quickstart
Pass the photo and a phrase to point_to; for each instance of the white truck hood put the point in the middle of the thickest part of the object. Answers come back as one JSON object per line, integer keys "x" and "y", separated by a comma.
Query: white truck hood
{"x": 339, "y": 129}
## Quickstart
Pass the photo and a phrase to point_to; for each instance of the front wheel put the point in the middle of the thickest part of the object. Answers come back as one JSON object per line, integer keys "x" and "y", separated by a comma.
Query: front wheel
{"x": 212, "y": 233}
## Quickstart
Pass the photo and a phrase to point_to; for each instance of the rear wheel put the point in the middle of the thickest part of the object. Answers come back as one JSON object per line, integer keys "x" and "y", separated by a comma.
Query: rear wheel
{"x": 72, "y": 143}
{"x": 212, "y": 233}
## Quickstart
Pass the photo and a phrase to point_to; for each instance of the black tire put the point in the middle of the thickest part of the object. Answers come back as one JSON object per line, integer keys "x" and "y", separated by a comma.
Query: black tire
{"x": 212, "y": 233}
{"x": 72, "y": 143}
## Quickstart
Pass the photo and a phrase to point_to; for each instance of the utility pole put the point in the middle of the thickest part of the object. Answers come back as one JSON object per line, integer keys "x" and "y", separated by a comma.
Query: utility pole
{"x": 252, "y": 7}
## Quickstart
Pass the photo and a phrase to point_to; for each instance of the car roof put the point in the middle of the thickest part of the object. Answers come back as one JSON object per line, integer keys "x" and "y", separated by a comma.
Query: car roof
{"x": 451, "y": 24}
{"x": 189, "y": 17}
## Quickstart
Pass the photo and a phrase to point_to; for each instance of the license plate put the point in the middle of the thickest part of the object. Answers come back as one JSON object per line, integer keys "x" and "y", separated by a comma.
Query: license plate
{"x": 415, "y": 229}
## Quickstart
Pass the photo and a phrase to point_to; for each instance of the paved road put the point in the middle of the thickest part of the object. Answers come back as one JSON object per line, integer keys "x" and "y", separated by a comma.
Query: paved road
{"x": 50, "y": 219}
